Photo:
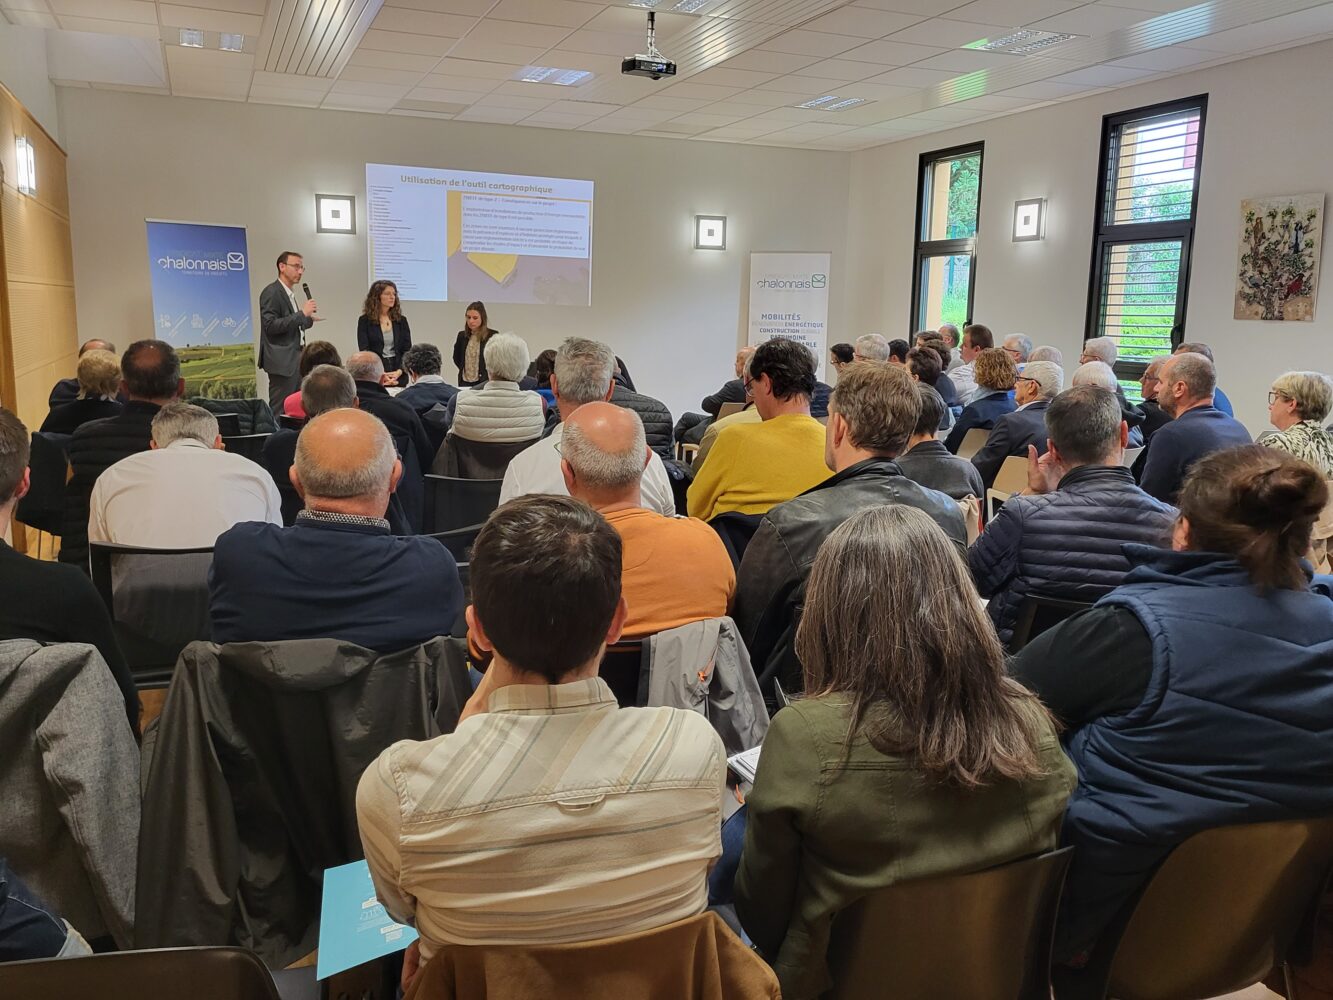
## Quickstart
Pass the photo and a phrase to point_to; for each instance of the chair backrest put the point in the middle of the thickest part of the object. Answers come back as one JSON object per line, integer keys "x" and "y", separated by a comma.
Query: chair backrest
{"x": 459, "y": 541}
{"x": 727, "y": 409}
{"x": 457, "y": 503}
{"x": 466, "y": 459}
{"x": 624, "y": 670}
{"x": 984, "y": 936}
{"x": 1038, "y": 613}
{"x": 229, "y": 424}
{"x": 1131, "y": 455}
{"x": 44, "y": 506}
{"x": 158, "y": 601}
{"x": 1010, "y": 479}
{"x": 203, "y": 973}
{"x": 1222, "y": 910}
{"x": 248, "y": 445}
{"x": 290, "y": 423}
{"x": 972, "y": 442}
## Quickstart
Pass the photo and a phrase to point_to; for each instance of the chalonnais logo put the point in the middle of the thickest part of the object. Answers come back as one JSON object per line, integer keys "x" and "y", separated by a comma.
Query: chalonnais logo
{"x": 794, "y": 281}
{"x": 233, "y": 261}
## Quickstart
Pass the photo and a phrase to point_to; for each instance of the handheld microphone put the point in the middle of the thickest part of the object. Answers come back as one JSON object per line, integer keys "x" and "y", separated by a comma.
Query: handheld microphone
{"x": 306, "y": 288}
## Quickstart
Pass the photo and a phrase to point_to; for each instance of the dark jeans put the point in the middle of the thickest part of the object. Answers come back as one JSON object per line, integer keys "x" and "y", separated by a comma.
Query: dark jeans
{"x": 722, "y": 879}
{"x": 28, "y": 928}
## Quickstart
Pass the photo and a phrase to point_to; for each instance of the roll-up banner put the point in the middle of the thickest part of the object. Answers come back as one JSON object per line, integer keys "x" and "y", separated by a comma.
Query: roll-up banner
{"x": 789, "y": 298}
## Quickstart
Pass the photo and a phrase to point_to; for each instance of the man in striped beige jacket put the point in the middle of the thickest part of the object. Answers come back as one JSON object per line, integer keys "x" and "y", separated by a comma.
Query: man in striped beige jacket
{"x": 550, "y": 814}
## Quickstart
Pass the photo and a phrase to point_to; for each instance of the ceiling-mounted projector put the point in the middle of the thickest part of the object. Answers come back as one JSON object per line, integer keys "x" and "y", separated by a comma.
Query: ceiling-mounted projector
{"x": 652, "y": 63}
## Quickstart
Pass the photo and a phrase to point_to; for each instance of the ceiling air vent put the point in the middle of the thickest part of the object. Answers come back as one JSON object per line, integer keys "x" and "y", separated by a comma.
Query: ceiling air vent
{"x": 313, "y": 37}
{"x": 1024, "y": 42}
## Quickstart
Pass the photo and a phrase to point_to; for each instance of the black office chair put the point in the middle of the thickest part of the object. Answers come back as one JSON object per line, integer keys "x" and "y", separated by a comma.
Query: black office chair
{"x": 625, "y": 670}
{"x": 203, "y": 973}
{"x": 44, "y": 506}
{"x": 468, "y": 459}
{"x": 229, "y": 424}
{"x": 246, "y": 445}
{"x": 1037, "y": 614}
{"x": 158, "y": 602}
{"x": 459, "y": 541}
{"x": 290, "y": 423}
{"x": 458, "y": 503}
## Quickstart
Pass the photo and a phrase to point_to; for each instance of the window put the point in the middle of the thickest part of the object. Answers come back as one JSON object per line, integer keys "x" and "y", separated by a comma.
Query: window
{"x": 1147, "y": 194}
{"x": 948, "y": 200}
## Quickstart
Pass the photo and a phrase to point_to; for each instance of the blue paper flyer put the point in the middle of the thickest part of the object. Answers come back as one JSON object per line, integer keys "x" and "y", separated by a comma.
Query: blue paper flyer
{"x": 353, "y": 925}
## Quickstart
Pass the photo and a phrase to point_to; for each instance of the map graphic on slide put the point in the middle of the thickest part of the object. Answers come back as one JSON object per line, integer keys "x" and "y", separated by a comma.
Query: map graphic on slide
{"x": 453, "y": 235}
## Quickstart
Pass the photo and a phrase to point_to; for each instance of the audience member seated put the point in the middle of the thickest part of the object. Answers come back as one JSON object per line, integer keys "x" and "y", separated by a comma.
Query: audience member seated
{"x": 871, "y": 347}
{"x": 1196, "y": 694}
{"x": 911, "y": 755}
{"x": 540, "y": 370}
{"x": 943, "y": 384}
{"x": 1154, "y": 417}
{"x": 550, "y": 815}
{"x": 898, "y": 352}
{"x": 926, "y": 365}
{"x": 652, "y": 413}
{"x": 99, "y": 382}
{"x": 314, "y": 354}
{"x": 952, "y": 338}
{"x": 1038, "y": 384}
{"x": 840, "y": 355}
{"x": 754, "y": 466}
{"x": 1102, "y": 375}
{"x": 1051, "y": 354}
{"x": 1063, "y": 535}
{"x": 426, "y": 387}
{"x": 994, "y": 372}
{"x": 46, "y": 601}
{"x": 337, "y": 573}
{"x": 1219, "y": 397}
{"x": 976, "y": 338}
{"x": 1018, "y": 347}
{"x": 408, "y": 432}
{"x": 690, "y": 427}
{"x": 673, "y": 570}
{"x": 583, "y": 374}
{"x": 874, "y": 411}
{"x": 500, "y": 411}
{"x": 1103, "y": 349}
{"x": 150, "y": 376}
{"x": 184, "y": 491}
{"x": 66, "y": 390}
{"x": 1197, "y": 427}
{"x": 928, "y": 463}
{"x": 29, "y": 928}
{"x": 1298, "y": 405}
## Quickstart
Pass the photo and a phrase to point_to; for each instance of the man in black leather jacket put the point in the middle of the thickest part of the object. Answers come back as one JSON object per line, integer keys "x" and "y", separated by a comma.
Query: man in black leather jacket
{"x": 872, "y": 413}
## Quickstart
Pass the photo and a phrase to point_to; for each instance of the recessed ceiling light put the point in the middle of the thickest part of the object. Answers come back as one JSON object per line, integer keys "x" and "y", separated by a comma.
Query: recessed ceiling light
{"x": 552, "y": 75}
{"x": 1020, "y": 43}
{"x": 192, "y": 38}
{"x": 690, "y": 6}
{"x": 232, "y": 43}
{"x": 831, "y": 102}
{"x": 645, "y": 4}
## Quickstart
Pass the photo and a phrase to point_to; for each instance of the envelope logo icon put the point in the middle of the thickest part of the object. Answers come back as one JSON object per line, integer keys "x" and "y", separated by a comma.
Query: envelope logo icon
{"x": 235, "y": 261}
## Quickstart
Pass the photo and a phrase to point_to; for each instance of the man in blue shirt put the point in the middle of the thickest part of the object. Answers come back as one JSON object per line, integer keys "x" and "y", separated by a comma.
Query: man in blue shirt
{"x": 1197, "y": 427}
{"x": 1198, "y": 347}
{"x": 338, "y": 572}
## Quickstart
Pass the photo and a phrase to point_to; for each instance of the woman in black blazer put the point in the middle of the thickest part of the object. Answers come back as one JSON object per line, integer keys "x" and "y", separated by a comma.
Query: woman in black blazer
{"x": 476, "y": 331}
{"x": 382, "y": 328}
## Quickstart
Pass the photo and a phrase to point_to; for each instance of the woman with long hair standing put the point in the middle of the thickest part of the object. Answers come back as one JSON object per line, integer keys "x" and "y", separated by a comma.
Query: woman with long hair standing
{"x": 911, "y": 755}
{"x": 469, "y": 347}
{"x": 382, "y": 328}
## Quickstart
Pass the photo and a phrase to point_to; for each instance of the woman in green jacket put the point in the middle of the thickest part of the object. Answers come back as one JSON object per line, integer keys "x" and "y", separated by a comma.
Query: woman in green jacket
{"x": 911, "y": 756}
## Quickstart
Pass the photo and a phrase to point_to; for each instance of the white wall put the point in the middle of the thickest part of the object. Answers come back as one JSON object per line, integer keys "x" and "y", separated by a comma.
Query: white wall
{"x": 23, "y": 71}
{"x": 674, "y": 314}
{"x": 1265, "y": 135}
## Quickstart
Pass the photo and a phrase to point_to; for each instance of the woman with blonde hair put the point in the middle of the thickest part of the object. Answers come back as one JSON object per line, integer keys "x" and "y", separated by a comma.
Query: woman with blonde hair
{"x": 995, "y": 374}
{"x": 1298, "y": 405}
{"x": 912, "y": 754}
{"x": 99, "y": 382}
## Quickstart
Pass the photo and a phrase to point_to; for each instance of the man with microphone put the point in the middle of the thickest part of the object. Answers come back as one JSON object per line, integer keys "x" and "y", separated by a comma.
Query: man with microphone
{"x": 281, "y": 325}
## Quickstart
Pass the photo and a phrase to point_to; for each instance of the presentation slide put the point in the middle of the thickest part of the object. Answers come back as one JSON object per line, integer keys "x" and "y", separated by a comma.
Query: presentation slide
{"x": 459, "y": 236}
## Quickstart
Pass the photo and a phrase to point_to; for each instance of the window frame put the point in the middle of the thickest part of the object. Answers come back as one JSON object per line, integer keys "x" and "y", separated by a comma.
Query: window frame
{"x": 924, "y": 249}
{"x": 1106, "y": 234}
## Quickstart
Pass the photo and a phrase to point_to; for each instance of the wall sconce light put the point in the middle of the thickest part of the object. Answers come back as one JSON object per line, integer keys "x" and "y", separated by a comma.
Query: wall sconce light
{"x": 27, "y": 164}
{"x": 1029, "y": 220}
{"x": 335, "y": 213}
{"x": 710, "y": 232}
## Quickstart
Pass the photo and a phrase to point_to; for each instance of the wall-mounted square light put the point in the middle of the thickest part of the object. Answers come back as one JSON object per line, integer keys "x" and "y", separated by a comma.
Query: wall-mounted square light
{"x": 335, "y": 213}
{"x": 1029, "y": 220}
{"x": 710, "y": 232}
{"x": 27, "y": 164}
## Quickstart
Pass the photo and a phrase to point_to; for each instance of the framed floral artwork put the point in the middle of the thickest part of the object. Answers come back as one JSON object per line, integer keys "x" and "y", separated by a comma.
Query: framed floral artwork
{"x": 1278, "y": 273}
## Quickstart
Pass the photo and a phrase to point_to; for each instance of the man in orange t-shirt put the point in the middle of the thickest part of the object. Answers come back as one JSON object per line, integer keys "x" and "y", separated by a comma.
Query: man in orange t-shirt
{"x": 675, "y": 570}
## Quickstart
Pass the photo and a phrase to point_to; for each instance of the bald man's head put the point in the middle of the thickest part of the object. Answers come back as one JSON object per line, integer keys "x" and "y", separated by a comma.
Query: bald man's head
{"x": 603, "y": 454}
{"x": 96, "y": 344}
{"x": 346, "y": 461}
{"x": 365, "y": 366}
